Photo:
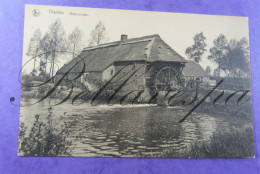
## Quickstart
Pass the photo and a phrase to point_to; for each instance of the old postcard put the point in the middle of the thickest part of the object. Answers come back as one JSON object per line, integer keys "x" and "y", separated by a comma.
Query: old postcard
{"x": 120, "y": 83}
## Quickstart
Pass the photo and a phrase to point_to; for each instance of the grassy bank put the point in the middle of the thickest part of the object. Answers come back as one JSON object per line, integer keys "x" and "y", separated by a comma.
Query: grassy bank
{"x": 234, "y": 144}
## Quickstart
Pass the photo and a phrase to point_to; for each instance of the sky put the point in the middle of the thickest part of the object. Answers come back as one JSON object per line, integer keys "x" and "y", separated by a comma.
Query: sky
{"x": 176, "y": 29}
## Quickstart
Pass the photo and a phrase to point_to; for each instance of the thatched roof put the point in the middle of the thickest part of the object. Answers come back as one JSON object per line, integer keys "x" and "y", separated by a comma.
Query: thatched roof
{"x": 149, "y": 48}
{"x": 194, "y": 69}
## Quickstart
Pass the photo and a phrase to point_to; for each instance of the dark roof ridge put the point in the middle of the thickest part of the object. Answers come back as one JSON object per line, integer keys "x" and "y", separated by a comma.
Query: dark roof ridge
{"x": 133, "y": 40}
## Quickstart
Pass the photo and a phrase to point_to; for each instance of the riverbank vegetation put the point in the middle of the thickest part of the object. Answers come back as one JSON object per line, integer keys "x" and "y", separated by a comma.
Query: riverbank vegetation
{"x": 232, "y": 144}
{"x": 45, "y": 138}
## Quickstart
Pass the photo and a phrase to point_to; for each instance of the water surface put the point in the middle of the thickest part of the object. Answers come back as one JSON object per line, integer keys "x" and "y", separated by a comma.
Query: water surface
{"x": 127, "y": 131}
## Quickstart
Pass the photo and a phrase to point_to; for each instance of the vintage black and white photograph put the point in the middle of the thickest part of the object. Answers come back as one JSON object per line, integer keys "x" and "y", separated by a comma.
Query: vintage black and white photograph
{"x": 121, "y": 83}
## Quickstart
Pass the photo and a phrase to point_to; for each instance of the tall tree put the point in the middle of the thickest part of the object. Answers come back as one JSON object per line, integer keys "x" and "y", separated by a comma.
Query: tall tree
{"x": 238, "y": 57}
{"x": 244, "y": 45}
{"x": 46, "y": 49}
{"x": 57, "y": 42}
{"x": 218, "y": 52}
{"x": 75, "y": 41}
{"x": 34, "y": 47}
{"x": 98, "y": 35}
{"x": 196, "y": 51}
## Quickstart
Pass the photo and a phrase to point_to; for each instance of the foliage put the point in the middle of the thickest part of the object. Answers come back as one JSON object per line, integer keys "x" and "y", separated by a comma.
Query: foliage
{"x": 232, "y": 144}
{"x": 26, "y": 84}
{"x": 34, "y": 46}
{"x": 53, "y": 45}
{"x": 43, "y": 89}
{"x": 57, "y": 42}
{"x": 98, "y": 35}
{"x": 218, "y": 51}
{"x": 45, "y": 138}
{"x": 238, "y": 58}
{"x": 57, "y": 36}
{"x": 198, "y": 48}
{"x": 42, "y": 68}
{"x": 231, "y": 57}
{"x": 46, "y": 49}
{"x": 75, "y": 41}
{"x": 216, "y": 72}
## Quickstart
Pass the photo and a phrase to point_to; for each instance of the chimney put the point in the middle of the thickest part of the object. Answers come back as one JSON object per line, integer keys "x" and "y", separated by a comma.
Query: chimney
{"x": 123, "y": 37}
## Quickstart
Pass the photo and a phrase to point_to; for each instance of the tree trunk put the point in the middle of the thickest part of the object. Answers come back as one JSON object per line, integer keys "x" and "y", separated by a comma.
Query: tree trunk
{"x": 34, "y": 63}
{"x": 53, "y": 57}
{"x": 50, "y": 69}
{"x": 46, "y": 63}
{"x": 73, "y": 51}
{"x": 34, "y": 57}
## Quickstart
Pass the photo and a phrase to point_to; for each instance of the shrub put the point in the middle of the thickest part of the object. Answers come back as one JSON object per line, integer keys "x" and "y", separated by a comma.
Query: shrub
{"x": 26, "y": 84}
{"x": 44, "y": 139}
{"x": 233, "y": 144}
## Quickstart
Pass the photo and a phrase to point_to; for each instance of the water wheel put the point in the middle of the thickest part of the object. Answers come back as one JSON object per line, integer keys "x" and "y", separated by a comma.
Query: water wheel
{"x": 166, "y": 79}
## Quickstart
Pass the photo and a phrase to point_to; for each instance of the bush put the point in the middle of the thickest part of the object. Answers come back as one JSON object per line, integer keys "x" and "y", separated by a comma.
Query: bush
{"x": 233, "y": 144}
{"x": 44, "y": 139}
{"x": 26, "y": 84}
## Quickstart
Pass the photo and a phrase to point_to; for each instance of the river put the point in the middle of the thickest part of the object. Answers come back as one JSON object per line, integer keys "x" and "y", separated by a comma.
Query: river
{"x": 126, "y": 131}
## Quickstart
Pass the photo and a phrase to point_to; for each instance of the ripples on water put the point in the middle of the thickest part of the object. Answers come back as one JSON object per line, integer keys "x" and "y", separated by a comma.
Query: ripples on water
{"x": 128, "y": 131}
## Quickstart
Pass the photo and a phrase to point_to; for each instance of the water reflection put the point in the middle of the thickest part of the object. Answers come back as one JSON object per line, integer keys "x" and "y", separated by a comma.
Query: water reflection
{"x": 127, "y": 131}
